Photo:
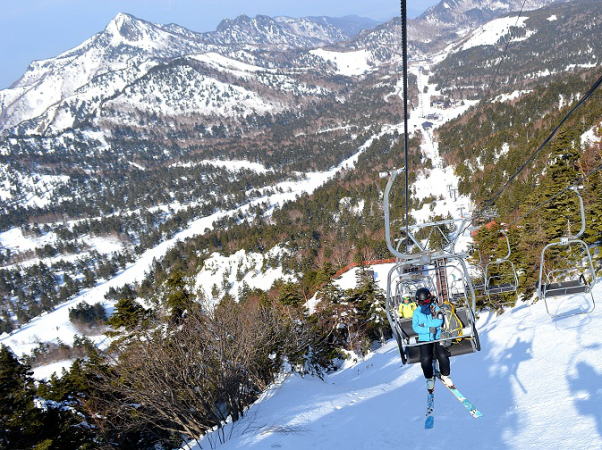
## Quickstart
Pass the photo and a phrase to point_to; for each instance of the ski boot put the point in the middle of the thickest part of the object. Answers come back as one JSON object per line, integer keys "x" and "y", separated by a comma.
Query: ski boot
{"x": 430, "y": 384}
{"x": 446, "y": 379}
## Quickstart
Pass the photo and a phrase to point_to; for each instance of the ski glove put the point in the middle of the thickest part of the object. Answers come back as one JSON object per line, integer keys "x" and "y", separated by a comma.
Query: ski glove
{"x": 433, "y": 330}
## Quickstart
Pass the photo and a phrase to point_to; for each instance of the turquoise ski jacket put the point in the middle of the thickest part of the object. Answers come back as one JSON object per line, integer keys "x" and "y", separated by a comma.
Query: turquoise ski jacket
{"x": 422, "y": 322}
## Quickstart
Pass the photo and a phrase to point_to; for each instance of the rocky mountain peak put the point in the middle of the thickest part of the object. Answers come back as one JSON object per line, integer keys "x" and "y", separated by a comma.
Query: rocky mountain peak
{"x": 127, "y": 27}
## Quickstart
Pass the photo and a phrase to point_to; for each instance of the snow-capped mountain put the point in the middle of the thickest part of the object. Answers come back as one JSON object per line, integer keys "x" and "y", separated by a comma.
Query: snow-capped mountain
{"x": 128, "y": 47}
{"x": 124, "y": 49}
{"x": 439, "y": 25}
{"x": 536, "y": 44}
{"x": 275, "y": 33}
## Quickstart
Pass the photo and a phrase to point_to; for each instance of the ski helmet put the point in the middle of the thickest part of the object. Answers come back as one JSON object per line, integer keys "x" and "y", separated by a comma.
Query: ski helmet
{"x": 423, "y": 295}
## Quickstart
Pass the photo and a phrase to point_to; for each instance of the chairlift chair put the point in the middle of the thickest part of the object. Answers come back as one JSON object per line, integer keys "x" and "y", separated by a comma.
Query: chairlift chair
{"x": 433, "y": 262}
{"x": 555, "y": 282}
{"x": 492, "y": 282}
{"x": 464, "y": 341}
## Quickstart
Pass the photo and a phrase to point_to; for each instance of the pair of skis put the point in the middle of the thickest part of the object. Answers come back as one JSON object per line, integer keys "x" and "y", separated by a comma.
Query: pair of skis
{"x": 430, "y": 405}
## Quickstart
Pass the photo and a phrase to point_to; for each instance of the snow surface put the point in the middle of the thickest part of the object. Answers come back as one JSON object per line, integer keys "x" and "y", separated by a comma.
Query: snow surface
{"x": 17, "y": 242}
{"x": 493, "y": 31}
{"x": 537, "y": 381}
{"x": 196, "y": 93}
{"x": 441, "y": 181}
{"x": 590, "y": 137}
{"x": 512, "y": 96}
{"x": 228, "y": 274}
{"x": 45, "y": 372}
{"x": 552, "y": 18}
{"x": 31, "y": 189}
{"x": 347, "y": 63}
{"x": 233, "y": 165}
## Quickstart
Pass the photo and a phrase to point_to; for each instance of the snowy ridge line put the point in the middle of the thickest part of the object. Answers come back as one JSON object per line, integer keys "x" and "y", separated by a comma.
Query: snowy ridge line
{"x": 55, "y": 324}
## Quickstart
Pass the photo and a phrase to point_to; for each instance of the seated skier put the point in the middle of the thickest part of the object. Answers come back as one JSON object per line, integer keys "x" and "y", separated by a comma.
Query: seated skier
{"x": 427, "y": 322}
{"x": 406, "y": 307}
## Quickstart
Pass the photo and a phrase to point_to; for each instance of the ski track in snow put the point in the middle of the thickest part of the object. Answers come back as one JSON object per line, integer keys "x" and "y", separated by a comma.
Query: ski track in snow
{"x": 441, "y": 181}
{"x": 537, "y": 381}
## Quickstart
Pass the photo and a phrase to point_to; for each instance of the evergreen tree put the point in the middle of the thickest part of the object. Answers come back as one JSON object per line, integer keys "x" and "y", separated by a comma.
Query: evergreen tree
{"x": 178, "y": 299}
{"x": 21, "y": 420}
{"x": 290, "y": 295}
{"x": 128, "y": 314}
{"x": 23, "y": 425}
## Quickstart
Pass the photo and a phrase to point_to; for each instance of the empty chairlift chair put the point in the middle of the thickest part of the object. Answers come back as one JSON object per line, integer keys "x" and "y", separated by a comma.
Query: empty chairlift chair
{"x": 507, "y": 281}
{"x": 580, "y": 279}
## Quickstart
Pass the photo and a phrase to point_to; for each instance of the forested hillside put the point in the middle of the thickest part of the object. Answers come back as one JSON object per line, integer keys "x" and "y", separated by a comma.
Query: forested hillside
{"x": 186, "y": 215}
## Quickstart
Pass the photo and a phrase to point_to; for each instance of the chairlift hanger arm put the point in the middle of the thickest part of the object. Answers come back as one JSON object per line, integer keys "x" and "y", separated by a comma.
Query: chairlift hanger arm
{"x": 390, "y": 246}
{"x": 575, "y": 189}
{"x": 507, "y": 257}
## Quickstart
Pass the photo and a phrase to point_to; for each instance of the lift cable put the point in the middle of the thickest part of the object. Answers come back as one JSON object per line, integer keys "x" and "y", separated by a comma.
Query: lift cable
{"x": 404, "y": 45}
{"x": 490, "y": 202}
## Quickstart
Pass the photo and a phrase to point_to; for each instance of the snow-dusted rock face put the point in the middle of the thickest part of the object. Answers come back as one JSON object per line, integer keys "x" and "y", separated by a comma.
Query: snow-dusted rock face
{"x": 122, "y": 46}
{"x": 463, "y": 13}
{"x": 128, "y": 47}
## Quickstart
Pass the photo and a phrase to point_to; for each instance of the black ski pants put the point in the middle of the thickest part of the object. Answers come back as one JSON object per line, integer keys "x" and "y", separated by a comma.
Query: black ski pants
{"x": 427, "y": 351}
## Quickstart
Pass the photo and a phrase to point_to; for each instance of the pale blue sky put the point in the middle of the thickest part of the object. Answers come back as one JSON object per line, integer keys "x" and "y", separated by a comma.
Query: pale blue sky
{"x": 38, "y": 29}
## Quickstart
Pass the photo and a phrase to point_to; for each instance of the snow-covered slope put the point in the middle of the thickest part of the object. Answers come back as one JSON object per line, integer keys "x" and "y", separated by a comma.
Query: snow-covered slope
{"x": 537, "y": 381}
{"x": 493, "y": 31}
{"x": 350, "y": 63}
{"x": 463, "y": 13}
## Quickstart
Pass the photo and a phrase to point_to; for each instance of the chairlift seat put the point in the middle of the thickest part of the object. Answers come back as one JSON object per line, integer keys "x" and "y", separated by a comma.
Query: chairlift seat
{"x": 479, "y": 287}
{"x": 456, "y": 297}
{"x": 406, "y": 328}
{"x": 501, "y": 288}
{"x": 463, "y": 347}
{"x": 565, "y": 288}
